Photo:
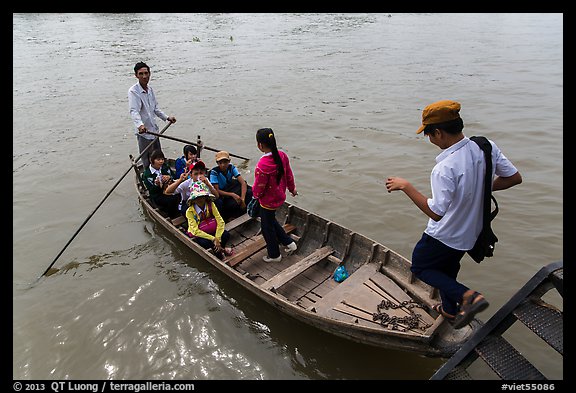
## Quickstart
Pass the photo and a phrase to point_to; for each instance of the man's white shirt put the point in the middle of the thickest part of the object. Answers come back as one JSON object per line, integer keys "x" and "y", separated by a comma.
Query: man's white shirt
{"x": 143, "y": 107}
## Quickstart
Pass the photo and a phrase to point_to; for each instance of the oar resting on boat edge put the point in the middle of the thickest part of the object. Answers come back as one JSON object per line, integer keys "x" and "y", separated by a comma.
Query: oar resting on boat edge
{"x": 145, "y": 151}
{"x": 192, "y": 143}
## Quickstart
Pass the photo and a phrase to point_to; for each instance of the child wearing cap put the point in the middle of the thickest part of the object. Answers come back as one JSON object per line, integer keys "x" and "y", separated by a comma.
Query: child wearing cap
{"x": 205, "y": 225}
{"x": 181, "y": 186}
{"x": 272, "y": 177}
{"x": 234, "y": 192}
{"x": 455, "y": 209}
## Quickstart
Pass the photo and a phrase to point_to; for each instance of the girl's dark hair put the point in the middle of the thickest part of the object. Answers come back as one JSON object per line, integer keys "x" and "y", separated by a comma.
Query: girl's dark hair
{"x": 156, "y": 154}
{"x": 451, "y": 127}
{"x": 189, "y": 149}
{"x": 266, "y": 137}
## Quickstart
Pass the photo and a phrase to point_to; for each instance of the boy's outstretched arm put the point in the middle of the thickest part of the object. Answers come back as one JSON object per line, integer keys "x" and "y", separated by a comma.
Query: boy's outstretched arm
{"x": 397, "y": 183}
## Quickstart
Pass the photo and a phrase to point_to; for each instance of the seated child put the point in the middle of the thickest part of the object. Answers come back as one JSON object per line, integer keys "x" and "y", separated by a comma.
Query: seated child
{"x": 156, "y": 178}
{"x": 183, "y": 163}
{"x": 205, "y": 225}
{"x": 234, "y": 193}
{"x": 181, "y": 186}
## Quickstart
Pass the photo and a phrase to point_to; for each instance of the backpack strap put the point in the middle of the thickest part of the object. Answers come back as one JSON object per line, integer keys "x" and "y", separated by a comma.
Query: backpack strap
{"x": 215, "y": 170}
{"x": 209, "y": 209}
{"x": 486, "y": 147}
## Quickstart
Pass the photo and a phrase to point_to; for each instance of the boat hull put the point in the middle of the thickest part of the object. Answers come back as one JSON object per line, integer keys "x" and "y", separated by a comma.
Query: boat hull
{"x": 314, "y": 298}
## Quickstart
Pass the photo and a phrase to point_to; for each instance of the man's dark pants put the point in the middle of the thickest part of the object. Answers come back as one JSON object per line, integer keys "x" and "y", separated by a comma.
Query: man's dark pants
{"x": 438, "y": 265}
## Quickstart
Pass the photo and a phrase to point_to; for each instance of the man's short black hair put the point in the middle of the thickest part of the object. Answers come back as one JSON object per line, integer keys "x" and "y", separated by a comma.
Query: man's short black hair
{"x": 451, "y": 127}
{"x": 139, "y": 65}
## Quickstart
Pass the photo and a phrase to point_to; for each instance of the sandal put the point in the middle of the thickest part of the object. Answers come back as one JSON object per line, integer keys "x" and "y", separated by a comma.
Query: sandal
{"x": 438, "y": 308}
{"x": 471, "y": 305}
{"x": 228, "y": 251}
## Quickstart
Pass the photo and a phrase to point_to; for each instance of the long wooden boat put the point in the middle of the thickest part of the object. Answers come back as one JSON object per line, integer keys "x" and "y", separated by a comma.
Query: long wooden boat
{"x": 381, "y": 303}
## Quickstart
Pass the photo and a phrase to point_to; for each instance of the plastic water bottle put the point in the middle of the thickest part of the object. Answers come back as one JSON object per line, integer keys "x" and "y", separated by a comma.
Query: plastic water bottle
{"x": 340, "y": 274}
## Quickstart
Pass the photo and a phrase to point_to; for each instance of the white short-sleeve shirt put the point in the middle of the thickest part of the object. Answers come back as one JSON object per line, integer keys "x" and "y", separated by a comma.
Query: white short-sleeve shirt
{"x": 457, "y": 182}
{"x": 184, "y": 190}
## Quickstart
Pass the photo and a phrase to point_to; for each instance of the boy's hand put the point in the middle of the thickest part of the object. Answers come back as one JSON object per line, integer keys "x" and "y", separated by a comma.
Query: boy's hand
{"x": 184, "y": 176}
{"x": 237, "y": 198}
{"x": 394, "y": 183}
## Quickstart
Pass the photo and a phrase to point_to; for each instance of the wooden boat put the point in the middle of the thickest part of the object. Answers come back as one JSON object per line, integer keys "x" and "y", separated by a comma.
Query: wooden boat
{"x": 381, "y": 303}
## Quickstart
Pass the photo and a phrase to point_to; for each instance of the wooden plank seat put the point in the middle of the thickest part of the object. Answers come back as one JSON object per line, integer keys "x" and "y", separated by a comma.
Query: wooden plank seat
{"x": 252, "y": 248}
{"x": 292, "y": 271}
{"x": 178, "y": 221}
{"x": 238, "y": 221}
{"x": 229, "y": 226}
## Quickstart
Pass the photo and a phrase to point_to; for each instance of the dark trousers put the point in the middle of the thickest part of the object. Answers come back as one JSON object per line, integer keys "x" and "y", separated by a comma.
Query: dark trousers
{"x": 205, "y": 243}
{"x": 183, "y": 210}
{"x": 438, "y": 265}
{"x": 168, "y": 204}
{"x": 273, "y": 232}
{"x": 227, "y": 206}
{"x": 142, "y": 143}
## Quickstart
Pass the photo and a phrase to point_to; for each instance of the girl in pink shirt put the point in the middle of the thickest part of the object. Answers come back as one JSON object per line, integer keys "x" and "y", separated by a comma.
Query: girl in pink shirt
{"x": 272, "y": 177}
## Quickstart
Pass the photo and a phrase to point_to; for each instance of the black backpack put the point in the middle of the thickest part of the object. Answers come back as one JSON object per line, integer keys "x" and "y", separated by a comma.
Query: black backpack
{"x": 484, "y": 246}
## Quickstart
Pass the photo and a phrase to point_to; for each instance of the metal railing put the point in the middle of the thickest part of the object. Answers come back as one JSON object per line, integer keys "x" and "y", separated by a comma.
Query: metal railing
{"x": 527, "y": 307}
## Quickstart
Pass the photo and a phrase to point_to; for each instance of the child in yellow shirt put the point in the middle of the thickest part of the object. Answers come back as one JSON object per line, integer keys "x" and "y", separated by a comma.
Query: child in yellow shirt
{"x": 205, "y": 225}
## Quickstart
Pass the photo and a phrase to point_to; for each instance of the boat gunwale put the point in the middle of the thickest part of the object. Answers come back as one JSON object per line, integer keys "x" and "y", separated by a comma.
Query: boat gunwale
{"x": 278, "y": 299}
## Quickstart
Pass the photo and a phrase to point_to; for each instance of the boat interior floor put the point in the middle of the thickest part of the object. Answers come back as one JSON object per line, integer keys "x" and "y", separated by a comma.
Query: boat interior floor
{"x": 305, "y": 278}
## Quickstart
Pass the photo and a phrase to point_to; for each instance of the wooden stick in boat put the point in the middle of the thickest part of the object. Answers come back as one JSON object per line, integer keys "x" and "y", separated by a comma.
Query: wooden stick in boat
{"x": 102, "y": 201}
{"x": 193, "y": 143}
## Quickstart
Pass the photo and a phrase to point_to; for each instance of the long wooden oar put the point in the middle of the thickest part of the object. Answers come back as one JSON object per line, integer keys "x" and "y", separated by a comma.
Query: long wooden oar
{"x": 101, "y": 202}
{"x": 192, "y": 143}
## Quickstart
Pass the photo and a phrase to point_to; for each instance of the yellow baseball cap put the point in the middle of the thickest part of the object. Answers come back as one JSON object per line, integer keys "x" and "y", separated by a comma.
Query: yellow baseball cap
{"x": 222, "y": 155}
{"x": 439, "y": 112}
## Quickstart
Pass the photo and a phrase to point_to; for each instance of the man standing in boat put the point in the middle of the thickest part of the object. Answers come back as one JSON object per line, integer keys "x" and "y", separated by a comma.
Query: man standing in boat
{"x": 455, "y": 209}
{"x": 143, "y": 107}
